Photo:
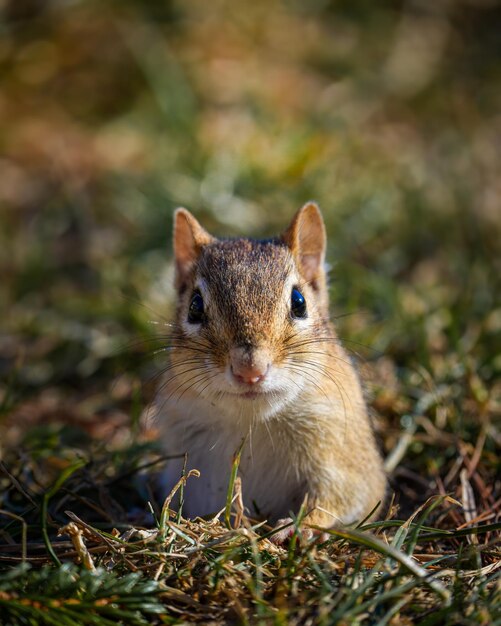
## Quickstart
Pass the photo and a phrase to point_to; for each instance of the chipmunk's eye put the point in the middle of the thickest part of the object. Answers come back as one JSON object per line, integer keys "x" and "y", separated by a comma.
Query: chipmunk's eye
{"x": 298, "y": 304}
{"x": 196, "y": 312}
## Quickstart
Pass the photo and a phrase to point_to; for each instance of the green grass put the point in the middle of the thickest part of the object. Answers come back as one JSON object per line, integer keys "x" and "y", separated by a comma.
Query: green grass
{"x": 385, "y": 114}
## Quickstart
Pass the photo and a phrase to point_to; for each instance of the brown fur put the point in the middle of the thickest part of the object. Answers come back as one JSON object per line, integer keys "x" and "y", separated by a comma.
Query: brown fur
{"x": 311, "y": 424}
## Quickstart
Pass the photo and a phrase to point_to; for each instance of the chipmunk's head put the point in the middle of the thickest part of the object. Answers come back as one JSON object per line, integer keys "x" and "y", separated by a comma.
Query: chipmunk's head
{"x": 249, "y": 313}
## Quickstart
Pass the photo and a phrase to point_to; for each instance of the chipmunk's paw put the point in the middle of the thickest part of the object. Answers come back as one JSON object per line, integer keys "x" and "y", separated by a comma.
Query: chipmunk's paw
{"x": 282, "y": 536}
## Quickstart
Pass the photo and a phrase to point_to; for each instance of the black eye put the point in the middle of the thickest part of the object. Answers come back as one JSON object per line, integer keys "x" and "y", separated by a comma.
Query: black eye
{"x": 196, "y": 313}
{"x": 298, "y": 304}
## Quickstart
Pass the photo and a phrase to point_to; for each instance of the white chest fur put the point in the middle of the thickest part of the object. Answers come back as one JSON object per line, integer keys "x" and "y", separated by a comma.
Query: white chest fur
{"x": 272, "y": 485}
{"x": 276, "y": 465}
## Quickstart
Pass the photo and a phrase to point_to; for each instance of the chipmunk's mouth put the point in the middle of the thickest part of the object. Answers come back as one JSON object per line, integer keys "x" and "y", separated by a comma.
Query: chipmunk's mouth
{"x": 253, "y": 394}
{"x": 249, "y": 395}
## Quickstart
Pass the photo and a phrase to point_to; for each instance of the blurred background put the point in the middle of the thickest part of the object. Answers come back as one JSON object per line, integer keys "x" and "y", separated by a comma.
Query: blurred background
{"x": 115, "y": 112}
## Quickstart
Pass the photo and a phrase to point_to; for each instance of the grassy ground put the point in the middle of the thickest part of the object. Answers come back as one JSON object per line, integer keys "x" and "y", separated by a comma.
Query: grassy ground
{"x": 385, "y": 113}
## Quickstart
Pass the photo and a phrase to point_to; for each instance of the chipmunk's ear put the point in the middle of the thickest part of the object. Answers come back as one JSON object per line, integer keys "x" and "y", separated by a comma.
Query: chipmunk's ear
{"x": 189, "y": 238}
{"x": 307, "y": 241}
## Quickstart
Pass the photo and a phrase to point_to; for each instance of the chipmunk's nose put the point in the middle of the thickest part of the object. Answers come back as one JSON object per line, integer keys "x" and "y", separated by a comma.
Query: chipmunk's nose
{"x": 249, "y": 366}
{"x": 249, "y": 375}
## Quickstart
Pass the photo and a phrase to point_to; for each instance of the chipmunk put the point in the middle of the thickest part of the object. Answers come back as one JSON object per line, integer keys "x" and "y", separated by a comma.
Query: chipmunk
{"x": 254, "y": 355}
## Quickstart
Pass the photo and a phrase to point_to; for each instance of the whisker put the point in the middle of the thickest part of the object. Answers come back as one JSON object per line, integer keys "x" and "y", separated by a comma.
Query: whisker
{"x": 202, "y": 369}
{"x": 338, "y": 317}
{"x": 339, "y": 386}
{"x": 318, "y": 340}
{"x": 300, "y": 370}
{"x": 203, "y": 374}
{"x": 142, "y": 304}
{"x": 269, "y": 434}
{"x": 200, "y": 374}
{"x": 177, "y": 375}
{"x": 322, "y": 370}
{"x": 161, "y": 323}
{"x": 311, "y": 353}
{"x": 170, "y": 366}
{"x": 362, "y": 345}
{"x": 205, "y": 387}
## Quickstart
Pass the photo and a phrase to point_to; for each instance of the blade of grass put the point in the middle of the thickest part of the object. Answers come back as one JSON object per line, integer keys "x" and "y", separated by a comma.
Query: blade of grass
{"x": 65, "y": 474}
{"x": 164, "y": 515}
{"x": 382, "y": 548}
{"x": 231, "y": 485}
{"x": 24, "y": 532}
{"x": 181, "y": 491}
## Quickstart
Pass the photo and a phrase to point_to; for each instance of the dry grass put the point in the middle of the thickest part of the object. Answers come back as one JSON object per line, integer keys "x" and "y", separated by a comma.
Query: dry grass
{"x": 440, "y": 565}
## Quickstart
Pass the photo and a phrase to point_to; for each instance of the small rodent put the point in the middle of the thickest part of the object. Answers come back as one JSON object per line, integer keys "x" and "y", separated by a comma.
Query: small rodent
{"x": 253, "y": 354}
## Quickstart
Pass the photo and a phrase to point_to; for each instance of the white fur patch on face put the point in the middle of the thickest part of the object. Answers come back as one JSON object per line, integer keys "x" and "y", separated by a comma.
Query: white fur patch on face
{"x": 261, "y": 402}
{"x": 192, "y": 330}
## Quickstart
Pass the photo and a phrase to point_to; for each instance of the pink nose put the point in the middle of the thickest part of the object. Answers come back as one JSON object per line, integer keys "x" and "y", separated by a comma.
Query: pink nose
{"x": 249, "y": 374}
